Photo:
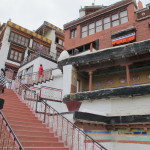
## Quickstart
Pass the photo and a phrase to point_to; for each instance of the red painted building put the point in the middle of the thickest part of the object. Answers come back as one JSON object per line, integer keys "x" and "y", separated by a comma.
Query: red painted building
{"x": 107, "y": 26}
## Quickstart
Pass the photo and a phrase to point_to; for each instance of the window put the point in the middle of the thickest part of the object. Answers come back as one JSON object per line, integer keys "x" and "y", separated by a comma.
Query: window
{"x": 59, "y": 41}
{"x": 91, "y": 28}
{"x": 115, "y": 20}
{"x": 16, "y": 56}
{"x": 84, "y": 31}
{"x": 106, "y": 22}
{"x": 123, "y": 17}
{"x": 73, "y": 33}
{"x": 98, "y": 25}
{"x": 14, "y": 37}
{"x": 36, "y": 46}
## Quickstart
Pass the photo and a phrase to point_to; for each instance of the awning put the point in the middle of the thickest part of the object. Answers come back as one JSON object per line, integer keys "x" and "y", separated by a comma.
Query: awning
{"x": 124, "y": 39}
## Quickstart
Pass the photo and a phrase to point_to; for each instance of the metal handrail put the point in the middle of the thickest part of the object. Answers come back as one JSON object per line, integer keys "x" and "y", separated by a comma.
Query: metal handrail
{"x": 66, "y": 130}
{"x": 16, "y": 140}
{"x": 42, "y": 100}
{"x": 37, "y": 72}
{"x": 44, "y": 114}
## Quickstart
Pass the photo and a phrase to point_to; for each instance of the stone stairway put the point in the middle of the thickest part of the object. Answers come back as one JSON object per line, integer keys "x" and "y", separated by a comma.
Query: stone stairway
{"x": 31, "y": 132}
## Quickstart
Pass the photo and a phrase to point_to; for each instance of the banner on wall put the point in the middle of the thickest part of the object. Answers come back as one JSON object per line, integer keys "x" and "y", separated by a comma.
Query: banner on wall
{"x": 124, "y": 39}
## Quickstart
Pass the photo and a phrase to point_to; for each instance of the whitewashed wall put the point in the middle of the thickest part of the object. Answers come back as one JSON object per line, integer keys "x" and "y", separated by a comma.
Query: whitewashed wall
{"x": 67, "y": 76}
{"x": 118, "y": 106}
{"x": 51, "y": 35}
{"x": 60, "y": 107}
{"x": 125, "y": 146}
{"x": 69, "y": 117}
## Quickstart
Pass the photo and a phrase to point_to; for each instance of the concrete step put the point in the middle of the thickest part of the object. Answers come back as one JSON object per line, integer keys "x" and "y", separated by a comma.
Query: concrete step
{"x": 33, "y": 133}
{"x": 35, "y": 120}
{"x": 42, "y": 144}
{"x": 22, "y": 123}
{"x": 33, "y": 128}
{"x": 38, "y": 138}
{"x": 46, "y": 148}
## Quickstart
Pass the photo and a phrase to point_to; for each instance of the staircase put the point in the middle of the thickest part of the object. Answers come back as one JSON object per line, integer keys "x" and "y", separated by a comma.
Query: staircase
{"x": 33, "y": 79}
{"x": 31, "y": 132}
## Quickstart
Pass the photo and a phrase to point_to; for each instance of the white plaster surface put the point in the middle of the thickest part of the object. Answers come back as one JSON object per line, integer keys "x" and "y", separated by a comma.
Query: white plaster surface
{"x": 99, "y": 107}
{"x": 125, "y": 146}
{"x": 60, "y": 107}
{"x": 130, "y": 146}
{"x": 138, "y": 105}
{"x": 67, "y": 75}
{"x": 69, "y": 117}
{"x": 52, "y": 36}
{"x": 63, "y": 55}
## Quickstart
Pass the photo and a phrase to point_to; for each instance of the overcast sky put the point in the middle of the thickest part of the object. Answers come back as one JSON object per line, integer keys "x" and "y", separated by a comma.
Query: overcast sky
{"x": 32, "y": 13}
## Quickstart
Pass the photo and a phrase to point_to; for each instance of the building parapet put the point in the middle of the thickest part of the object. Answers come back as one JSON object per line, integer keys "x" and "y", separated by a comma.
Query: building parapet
{"x": 125, "y": 91}
{"x": 143, "y": 13}
{"x": 113, "y": 53}
{"x": 88, "y": 117}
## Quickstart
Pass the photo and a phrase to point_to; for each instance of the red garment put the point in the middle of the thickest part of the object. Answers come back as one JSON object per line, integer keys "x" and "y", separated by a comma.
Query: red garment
{"x": 40, "y": 70}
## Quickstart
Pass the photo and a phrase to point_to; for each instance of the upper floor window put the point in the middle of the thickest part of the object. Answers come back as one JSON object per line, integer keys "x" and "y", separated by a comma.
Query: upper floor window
{"x": 19, "y": 39}
{"x": 59, "y": 41}
{"x": 115, "y": 20}
{"x": 91, "y": 28}
{"x": 98, "y": 25}
{"x": 84, "y": 31}
{"x": 15, "y": 55}
{"x": 105, "y": 23}
{"x": 73, "y": 33}
{"x": 123, "y": 17}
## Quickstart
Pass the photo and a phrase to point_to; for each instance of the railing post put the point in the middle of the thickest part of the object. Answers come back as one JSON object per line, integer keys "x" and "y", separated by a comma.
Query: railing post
{"x": 36, "y": 106}
{"x": 85, "y": 141}
{"x": 40, "y": 92}
{"x": 93, "y": 146}
{"x": 78, "y": 139}
{"x": 62, "y": 128}
{"x": 45, "y": 113}
{"x": 72, "y": 137}
{"x": 67, "y": 133}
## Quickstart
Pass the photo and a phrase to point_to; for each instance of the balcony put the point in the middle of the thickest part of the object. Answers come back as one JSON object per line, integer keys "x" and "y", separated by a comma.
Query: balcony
{"x": 35, "y": 54}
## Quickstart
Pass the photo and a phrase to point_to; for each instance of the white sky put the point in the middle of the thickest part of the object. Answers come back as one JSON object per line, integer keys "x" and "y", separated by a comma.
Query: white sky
{"x": 32, "y": 13}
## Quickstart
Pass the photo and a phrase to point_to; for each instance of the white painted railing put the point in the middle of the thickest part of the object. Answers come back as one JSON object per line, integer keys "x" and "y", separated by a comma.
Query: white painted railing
{"x": 34, "y": 78}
